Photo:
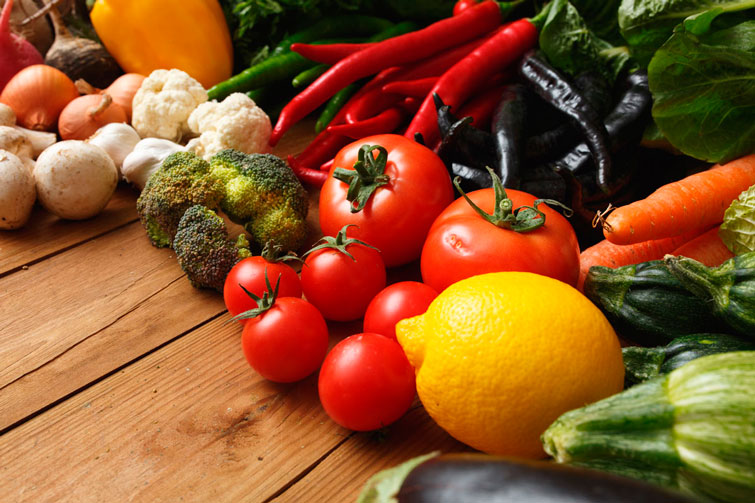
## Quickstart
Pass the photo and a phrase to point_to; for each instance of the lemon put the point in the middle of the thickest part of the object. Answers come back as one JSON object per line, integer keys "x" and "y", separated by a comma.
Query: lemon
{"x": 500, "y": 356}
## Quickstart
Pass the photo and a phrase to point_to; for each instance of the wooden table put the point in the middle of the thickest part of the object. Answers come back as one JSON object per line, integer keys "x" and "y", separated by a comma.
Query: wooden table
{"x": 121, "y": 382}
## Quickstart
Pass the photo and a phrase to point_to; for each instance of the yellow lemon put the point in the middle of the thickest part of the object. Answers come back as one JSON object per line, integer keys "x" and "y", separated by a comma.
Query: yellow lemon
{"x": 500, "y": 356}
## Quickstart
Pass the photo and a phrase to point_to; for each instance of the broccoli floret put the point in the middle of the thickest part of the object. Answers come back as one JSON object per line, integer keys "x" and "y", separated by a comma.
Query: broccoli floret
{"x": 263, "y": 194}
{"x": 183, "y": 180}
{"x": 203, "y": 249}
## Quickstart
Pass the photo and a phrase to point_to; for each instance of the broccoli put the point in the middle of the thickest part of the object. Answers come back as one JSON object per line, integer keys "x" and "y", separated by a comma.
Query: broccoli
{"x": 263, "y": 194}
{"x": 203, "y": 249}
{"x": 183, "y": 180}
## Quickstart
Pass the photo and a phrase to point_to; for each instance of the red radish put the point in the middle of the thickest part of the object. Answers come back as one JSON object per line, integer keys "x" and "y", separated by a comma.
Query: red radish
{"x": 16, "y": 52}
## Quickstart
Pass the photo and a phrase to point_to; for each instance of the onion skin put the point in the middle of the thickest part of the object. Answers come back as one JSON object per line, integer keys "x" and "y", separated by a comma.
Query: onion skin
{"x": 15, "y": 52}
{"x": 82, "y": 117}
{"x": 37, "y": 94}
{"x": 123, "y": 90}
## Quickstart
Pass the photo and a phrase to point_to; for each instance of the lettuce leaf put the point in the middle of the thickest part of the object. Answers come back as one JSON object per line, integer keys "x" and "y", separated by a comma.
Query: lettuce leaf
{"x": 738, "y": 228}
{"x": 704, "y": 91}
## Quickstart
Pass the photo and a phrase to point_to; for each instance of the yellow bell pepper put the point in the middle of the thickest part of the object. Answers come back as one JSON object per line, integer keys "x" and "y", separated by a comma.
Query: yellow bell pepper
{"x": 145, "y": 35}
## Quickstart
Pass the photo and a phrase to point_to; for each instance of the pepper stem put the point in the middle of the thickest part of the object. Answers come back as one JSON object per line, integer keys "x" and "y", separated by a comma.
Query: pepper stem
{"x": 522, "y": 219}
{"x": 368, "y": 174}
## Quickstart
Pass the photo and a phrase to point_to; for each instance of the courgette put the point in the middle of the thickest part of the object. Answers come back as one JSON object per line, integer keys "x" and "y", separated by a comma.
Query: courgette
{"x": 727, "y": 290}
{"x": 641, "y": 364}
{"x": 477, "y": 478}
{"x": 692, "y": 429}
{"x": 647, "y": 304}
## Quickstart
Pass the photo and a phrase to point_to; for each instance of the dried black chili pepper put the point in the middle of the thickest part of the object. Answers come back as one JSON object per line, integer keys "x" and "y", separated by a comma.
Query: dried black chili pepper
{"x": 508, "y": 127}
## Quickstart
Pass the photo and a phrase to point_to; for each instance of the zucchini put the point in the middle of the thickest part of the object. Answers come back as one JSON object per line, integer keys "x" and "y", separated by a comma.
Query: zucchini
{"x": 647, "y": 304}
{"x": 641, "y": 364}
{"x": 476, "y": 478}
{"x": 728, "y": 290}
{"x": 692, "y": 429}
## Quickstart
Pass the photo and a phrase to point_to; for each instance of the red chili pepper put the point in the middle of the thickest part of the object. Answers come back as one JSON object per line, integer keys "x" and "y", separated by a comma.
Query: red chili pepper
{"x": 481, "y": 107}
{"x": 386, "y": 121}
{"x": 472, "y": 73}
{"x": 329, "y": 54}
{"x": 306, "y": 175}
{"x": 395, "y": 51}
{"x": 417, "y": 88}
{"x": 327, "y": 165}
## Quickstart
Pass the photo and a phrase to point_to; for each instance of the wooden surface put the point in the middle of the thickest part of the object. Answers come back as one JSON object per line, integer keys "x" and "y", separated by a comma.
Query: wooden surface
{"x": 121, "y": 382}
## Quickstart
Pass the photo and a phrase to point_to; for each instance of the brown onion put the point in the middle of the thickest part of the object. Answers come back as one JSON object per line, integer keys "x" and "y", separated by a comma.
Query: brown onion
{"x": 82, "y": 117}
{"x": 123, "y": 90}
{"x": 37, "y": 94}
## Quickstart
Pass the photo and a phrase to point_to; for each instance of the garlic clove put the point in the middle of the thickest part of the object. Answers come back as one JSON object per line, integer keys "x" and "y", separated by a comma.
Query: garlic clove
{"x": 117, "y": 139}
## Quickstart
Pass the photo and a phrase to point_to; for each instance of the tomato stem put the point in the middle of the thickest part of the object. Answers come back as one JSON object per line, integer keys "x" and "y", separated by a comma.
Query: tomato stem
{"x": 338, "y": 242}
{"x": 522, "y": 219}
{"x": 368, "y": 174}
{"x": 264, "y": 303}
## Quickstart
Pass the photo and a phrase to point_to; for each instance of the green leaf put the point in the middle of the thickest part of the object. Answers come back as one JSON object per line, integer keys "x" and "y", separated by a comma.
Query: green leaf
{"x": 602, "y": 18}
{"x": 647, "y": 24}
{"x": 571, "y": 47}
{"x": 738, "y": 228}
{"x": 704, "y": 92}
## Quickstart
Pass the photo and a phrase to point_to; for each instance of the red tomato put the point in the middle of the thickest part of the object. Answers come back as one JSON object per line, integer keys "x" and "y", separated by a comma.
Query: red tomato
{"x": 461, "y": 244}
{"x": 399, "y": 214}
{"x": 250, "y": 272}
{"x": 339, "y": 286}
{"x": 286, "y": 343}
{"x": 463, "y": 5}
{"x": 396, "y": 302}
{"x": 366, "y": 382}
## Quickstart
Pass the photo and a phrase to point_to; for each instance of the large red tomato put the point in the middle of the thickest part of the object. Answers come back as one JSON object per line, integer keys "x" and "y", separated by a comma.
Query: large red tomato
{"x": 461, "y": 243}
{"x": 397, "y": 215}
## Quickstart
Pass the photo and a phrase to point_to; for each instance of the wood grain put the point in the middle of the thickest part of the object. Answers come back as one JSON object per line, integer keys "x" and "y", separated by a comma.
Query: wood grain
{"x": 342, "y": 475}
{"x": 79, "y": 315}
{"x": 189, "y": 422}
{"x": 45, "y": 234}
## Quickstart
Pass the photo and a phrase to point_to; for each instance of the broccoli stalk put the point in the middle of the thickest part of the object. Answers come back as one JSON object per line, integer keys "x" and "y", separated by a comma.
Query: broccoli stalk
{"x": 183, "y": 180}
{"x": 263, "y": 194}
{"x": 203, "y": 249}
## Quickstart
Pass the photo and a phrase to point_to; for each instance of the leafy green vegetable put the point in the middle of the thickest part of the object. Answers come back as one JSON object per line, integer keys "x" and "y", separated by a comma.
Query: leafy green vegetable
{"x": 704, "y": 91}
{"x": 738, "y": 229}
{"x": 602, "y": 18}
{"x": 572, "y": 48}
{"x": 647, "y": 24}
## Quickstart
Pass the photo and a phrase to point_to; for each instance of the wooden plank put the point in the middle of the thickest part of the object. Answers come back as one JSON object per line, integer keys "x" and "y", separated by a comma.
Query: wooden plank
{"x": 45, "y": 234}
{"x": 189, "y": 422}
{"x": 77, "y": 316}
{"x": 342, "y": 475}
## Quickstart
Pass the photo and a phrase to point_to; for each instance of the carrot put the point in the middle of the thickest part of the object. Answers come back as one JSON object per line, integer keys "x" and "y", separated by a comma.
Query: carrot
{"x": 609, "y": 254}
{"x": 697, "y": 201}
{"x": 706, "y": 248}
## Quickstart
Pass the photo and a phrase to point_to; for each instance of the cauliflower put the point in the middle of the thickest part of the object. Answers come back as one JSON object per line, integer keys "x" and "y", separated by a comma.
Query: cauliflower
{"x": 236, "y": 123}
{"x": 163, "y": 103}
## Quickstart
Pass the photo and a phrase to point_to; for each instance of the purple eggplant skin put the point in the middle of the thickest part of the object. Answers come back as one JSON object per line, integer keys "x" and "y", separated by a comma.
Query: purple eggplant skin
{"x": 480, "y": 478}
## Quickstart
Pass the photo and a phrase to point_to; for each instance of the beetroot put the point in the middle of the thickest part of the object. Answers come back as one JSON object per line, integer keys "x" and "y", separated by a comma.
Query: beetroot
{"x": 16, "y": 52}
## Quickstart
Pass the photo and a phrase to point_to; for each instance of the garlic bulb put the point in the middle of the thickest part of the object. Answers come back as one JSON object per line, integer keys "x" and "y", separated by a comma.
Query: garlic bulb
{"x": 146, "y": 157}
{"x": 117, "y": 139}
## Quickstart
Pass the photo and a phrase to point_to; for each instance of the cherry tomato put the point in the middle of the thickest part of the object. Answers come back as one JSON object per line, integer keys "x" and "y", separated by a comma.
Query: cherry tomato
{"x": 366, "y": 382}
{"x": 396, "y": 302}
{"x": 398, "y": 215}
{"x": 463, "y": 5}
{"x": 250, "y": 272}
{"x": 287, "y": 342}
{"x": 461, "y": 244}
{"x": 340, "y": 286}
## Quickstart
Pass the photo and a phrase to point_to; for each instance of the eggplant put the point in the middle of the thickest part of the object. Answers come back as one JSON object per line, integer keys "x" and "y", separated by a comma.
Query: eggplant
{"x": 477, "y": 478}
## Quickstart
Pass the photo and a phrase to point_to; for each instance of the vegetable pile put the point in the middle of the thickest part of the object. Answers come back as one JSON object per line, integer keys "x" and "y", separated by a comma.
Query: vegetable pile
{"x": 565, "y": 177}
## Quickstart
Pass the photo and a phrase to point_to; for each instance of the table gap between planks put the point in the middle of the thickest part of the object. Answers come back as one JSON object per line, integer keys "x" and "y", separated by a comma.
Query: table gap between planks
{"x": 120, "y": 382}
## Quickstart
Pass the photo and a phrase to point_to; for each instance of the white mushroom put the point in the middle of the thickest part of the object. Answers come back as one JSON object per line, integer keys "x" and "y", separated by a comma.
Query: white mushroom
{"x": 17, "y": 193}
{"x": 75, "y": 180}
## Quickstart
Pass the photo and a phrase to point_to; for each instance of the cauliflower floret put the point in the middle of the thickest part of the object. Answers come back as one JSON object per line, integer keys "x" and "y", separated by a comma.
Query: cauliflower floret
{"x": 163, "y": 103}
{"x": 237, "y": 123}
